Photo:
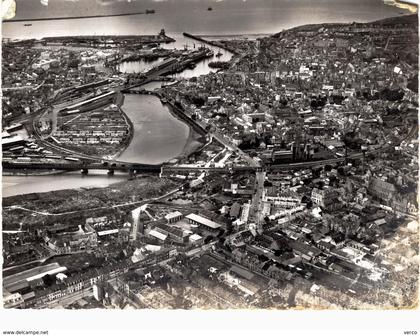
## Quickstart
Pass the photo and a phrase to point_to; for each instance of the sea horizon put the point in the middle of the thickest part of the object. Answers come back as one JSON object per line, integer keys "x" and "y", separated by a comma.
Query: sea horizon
{"x": 227, "y": 18}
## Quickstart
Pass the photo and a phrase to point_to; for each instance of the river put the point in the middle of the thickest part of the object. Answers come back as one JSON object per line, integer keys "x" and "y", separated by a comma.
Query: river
{"x": 15, "y": 185}
{"x": 158, "y": 135}
{"x": 137, "y": 66}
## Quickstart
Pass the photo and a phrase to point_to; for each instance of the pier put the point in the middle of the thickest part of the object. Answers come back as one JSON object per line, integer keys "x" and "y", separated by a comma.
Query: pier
{"x": 216, "y": 44}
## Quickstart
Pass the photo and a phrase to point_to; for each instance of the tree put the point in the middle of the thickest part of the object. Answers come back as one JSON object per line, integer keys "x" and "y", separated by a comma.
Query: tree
{"x": 413, "y": 84}
{"x": 229, "y": 226}
{"x": 327, "y": 168}
{"x": 48, "y": 280}
{"x": 208, "y": 239}
{"x": 277, "y": 253}
{"x": 262, "y": 258}
{"x": 333, "y": 180}
{"x": 73, "y": 63}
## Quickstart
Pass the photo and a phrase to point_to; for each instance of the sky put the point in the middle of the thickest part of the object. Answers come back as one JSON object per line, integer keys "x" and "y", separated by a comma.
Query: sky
{"x": 177, "y": 16}
{"x": 59, "y": 8}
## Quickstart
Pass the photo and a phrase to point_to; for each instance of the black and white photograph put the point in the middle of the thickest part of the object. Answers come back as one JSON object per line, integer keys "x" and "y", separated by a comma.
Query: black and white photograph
{"x": 209, "y": 155}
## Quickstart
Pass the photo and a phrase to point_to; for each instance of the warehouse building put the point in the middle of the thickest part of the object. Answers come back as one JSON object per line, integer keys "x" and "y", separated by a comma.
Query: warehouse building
{"x": 203, "y": 222}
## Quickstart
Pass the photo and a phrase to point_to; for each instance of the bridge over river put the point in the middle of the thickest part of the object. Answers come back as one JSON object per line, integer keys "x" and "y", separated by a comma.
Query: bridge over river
{"x": 134, "y": 168}
{"x": 131, "y": 168}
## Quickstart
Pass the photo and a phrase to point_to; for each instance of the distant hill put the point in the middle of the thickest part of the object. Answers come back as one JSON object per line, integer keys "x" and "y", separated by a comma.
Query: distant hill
{"x": 403, "y": 19}
{"x": 411, "y": 19}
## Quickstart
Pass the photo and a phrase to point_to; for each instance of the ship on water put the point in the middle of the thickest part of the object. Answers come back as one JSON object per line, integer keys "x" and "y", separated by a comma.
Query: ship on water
{"x": 28, "y": 24}
{"x": 150, "y": 11}
{"x": 209, "y": 8}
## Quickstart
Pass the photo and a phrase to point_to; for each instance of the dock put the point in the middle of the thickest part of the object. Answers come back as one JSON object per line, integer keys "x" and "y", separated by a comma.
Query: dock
{"x": 216, "y": 44}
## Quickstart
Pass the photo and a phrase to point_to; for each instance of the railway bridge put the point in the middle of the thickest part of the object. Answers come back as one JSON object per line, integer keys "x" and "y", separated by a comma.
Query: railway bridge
{"x": 84, "y": 167}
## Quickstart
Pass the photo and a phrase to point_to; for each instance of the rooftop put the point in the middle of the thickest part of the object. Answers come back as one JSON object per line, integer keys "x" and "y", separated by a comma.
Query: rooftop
{"x": 173, "y": 215}
{"x": 203, "y": 221}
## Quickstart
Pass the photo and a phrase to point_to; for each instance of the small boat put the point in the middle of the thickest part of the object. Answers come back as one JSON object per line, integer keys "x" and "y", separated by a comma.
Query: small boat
{"x": 209, "y": 8}
{"x": 28, "y": 24}
{"x": 150, "y": 11}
